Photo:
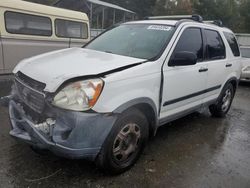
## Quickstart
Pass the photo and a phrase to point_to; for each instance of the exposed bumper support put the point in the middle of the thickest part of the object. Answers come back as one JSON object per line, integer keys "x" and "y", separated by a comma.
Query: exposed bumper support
{"x": 4, "y": 101}
{"x": 74, "y": 135}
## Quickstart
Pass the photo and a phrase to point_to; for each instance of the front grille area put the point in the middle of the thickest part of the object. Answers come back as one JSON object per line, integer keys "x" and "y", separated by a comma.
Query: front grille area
{"x": 30, "y": 82}
{"x": 30, "y": 95}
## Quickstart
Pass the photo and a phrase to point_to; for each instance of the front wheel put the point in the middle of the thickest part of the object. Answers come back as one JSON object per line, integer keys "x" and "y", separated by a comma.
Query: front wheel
{"x": 224, "y": 102}
{"x": 125, "y": 142}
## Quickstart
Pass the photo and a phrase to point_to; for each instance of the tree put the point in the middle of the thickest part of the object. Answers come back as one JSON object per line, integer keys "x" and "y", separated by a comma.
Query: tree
{"x": 172, "y": 7}
{"x": 227, "y": 11}
{"x": 143, "y": 8}
{"x": 245, "y": 16}
{"x": 234, "y": 14}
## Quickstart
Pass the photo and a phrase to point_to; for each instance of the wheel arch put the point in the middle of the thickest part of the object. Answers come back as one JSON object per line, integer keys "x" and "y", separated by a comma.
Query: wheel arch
{"x": 234, "y": 81}
{"x": 147, "y": 107}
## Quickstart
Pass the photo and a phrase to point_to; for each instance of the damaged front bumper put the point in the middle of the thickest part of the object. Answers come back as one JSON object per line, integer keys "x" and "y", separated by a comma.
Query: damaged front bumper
{"x": 4, "y": 101}
{"x": 65, "y": 133}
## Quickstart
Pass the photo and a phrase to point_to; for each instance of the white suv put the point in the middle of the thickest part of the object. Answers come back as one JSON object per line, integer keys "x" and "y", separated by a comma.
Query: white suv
{"x": 103, "y": 101}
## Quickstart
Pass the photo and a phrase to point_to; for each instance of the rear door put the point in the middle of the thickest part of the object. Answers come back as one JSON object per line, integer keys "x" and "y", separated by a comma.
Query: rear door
{"x": 216, "y": 63}
{"x": 233, "y": 65}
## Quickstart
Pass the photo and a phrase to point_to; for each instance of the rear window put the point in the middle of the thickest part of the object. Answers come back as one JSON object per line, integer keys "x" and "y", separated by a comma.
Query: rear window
{"x": 71, "y": 29}
{"x": 232, "y": 43}
{"x": 215, "y": 46}
{"x": 27, "y": 24}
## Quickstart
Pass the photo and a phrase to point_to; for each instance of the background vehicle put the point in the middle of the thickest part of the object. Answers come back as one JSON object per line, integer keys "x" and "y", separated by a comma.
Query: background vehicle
{"x": 29, "y": 29}
{"x": 244, "y": 42}
{"x": 124, "y": 85}
{"x": 245, "y": 53}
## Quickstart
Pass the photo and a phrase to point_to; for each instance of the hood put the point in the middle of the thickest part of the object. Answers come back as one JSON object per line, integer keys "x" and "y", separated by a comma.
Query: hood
{"x": 56, "y": 67}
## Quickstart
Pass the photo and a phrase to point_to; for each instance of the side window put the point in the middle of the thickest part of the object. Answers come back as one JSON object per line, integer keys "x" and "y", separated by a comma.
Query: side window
{"x": 191, "y": 41}
{"x": 27, "y": 24}
{"x": 215, "y": 46}
{"x": 232, "y": 43}
{"x": 71, "y": 29}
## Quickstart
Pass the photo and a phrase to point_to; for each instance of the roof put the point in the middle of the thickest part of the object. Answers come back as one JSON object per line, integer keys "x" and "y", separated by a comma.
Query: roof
{"x": 43, "y": 9}
{"x": 98, "y": 2}
{"x": 164, "y": 22}
{"x": 174, "y": 22}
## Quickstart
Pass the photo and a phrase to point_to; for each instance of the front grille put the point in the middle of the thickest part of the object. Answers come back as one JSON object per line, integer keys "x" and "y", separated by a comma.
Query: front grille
{"x": 30, "y": 96}
{"x": 30, "y": 82}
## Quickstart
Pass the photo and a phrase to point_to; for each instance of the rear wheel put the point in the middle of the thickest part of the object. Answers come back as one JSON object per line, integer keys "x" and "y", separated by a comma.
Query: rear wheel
{"x": 224, "y": 102}
{"x": 125, "y": 142}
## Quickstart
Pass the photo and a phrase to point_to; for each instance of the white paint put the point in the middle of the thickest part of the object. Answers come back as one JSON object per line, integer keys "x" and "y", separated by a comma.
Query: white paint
{"x": 56, "y": 67}
{"x": 142, "y": 81}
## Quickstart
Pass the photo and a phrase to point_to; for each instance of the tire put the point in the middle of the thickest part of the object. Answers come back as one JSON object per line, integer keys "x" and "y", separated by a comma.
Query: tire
{"x": 125, "y": 143}
{"x": 223, "y": 104}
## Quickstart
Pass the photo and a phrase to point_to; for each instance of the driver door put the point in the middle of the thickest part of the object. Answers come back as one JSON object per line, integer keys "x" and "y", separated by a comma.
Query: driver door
{"x": 184, "y": 86}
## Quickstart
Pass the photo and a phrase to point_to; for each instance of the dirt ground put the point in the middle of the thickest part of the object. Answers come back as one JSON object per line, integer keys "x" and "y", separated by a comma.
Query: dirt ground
{"x": 195, "y": 151}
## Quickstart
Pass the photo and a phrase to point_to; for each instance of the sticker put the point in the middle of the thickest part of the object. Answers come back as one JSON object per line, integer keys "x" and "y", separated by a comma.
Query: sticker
{"x": 159, "y": 27}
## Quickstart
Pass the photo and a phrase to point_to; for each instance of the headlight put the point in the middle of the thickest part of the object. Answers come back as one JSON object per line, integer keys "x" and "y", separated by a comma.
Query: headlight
{"x": 79, "y": 96}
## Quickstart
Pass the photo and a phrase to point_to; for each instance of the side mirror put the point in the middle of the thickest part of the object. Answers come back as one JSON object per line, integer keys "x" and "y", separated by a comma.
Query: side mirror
{"x": 183, "y": 58}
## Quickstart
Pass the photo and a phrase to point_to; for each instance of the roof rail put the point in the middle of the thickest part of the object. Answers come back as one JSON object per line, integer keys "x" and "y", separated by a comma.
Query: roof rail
{"x": 215, "y": 22}
{"x": 194, "y": 17}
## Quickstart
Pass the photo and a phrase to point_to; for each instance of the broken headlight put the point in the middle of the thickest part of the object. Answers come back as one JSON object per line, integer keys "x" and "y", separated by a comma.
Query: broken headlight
{"x": 79, "y": 96}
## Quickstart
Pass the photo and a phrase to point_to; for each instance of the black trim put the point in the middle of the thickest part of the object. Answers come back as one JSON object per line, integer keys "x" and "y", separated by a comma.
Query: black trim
{"x": 203, "y": 70}
{"x": 229, "y": 65}
{"x": 191, "y": 95}
{"x": 120, "y": 69}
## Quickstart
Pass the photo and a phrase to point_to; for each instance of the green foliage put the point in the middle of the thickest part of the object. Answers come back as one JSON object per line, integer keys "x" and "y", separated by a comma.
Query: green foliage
{"x": 245, "y": 16}
{"x": 225, "y": 10}
{"x": 235, "y": 14}
{"x": 143, "y": 8}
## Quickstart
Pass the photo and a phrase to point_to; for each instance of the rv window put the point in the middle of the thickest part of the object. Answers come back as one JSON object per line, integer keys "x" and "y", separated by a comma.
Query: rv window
{"x": 71, "y": 29}
{"x": 19, "y": 23}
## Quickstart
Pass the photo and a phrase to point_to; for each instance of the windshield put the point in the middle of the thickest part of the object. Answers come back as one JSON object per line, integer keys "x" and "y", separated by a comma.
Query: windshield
{"x": 133, "y": 40}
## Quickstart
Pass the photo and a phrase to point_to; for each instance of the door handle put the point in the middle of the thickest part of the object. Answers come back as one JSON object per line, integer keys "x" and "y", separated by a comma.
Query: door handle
{"x": 229, "y": 65}
{"x": 202, "y": 69}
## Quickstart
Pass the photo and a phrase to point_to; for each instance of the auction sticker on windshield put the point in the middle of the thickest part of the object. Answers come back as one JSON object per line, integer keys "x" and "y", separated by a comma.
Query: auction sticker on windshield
{"x": 159, "y": 27}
